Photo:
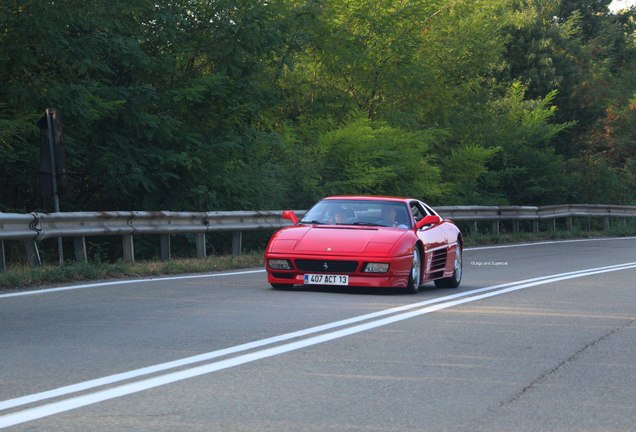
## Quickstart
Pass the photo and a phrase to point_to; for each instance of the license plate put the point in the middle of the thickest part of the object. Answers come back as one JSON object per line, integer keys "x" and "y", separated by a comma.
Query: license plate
{"x": 325, "y": 279}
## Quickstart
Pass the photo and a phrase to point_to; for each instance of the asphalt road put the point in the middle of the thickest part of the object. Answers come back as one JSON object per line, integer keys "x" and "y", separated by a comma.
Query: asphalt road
{"x": 538, "y": 338}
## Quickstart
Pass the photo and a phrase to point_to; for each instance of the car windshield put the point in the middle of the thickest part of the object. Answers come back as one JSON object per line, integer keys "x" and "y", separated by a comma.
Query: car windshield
{"x": 359, "y": 213}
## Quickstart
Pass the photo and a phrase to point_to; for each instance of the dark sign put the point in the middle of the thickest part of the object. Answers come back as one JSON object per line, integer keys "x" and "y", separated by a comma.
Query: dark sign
{"x": 52, "y": 153}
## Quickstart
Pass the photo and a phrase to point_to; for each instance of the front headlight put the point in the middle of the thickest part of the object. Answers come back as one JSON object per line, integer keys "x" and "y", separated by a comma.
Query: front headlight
{"x": 376, "y": 268}
{"x": 279, "y": 264}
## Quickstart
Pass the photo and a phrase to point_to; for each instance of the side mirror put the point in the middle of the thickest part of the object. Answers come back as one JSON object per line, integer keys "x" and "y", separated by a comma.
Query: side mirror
{"x": 428, "y": 220}
{"x": 290, "y": 215}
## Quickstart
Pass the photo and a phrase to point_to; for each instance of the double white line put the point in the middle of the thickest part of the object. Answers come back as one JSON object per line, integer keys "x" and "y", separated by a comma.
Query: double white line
{"x": 90, "y": 392}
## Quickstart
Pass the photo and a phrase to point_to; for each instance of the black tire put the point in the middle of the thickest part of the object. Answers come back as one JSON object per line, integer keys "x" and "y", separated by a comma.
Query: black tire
{"x": 415, "y": 275}
{"x": 456, "y": 278}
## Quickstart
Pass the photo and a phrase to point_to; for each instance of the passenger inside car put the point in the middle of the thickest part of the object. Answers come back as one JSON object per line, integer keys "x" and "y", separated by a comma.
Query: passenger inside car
{"x": 394, "y": 216}
{"x": 343, "y": 215}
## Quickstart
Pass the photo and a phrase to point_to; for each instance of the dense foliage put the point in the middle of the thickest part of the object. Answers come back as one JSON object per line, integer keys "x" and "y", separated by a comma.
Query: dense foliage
{"x": 207, "y": 105}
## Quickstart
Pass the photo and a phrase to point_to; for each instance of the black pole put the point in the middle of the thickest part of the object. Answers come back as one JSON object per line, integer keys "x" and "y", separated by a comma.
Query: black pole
{"x": 56, "y": 198}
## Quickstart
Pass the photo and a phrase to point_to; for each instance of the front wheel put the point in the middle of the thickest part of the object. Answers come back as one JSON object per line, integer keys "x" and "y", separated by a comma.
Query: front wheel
{"x": 415, "y": 276}
{"x": 456, "y": 278}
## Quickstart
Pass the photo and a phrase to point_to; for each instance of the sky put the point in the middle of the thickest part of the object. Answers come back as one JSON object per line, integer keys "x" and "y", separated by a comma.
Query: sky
{"x": 621, "y": 4}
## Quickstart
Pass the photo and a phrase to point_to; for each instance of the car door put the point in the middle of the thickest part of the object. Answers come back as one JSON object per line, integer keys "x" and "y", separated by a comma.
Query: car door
{"x": 452, "y": 238}
{"x": 434, "y": 239}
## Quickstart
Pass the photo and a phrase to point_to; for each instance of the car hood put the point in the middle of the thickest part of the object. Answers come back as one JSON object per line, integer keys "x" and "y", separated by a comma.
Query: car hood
{"x": 336, "y": 240}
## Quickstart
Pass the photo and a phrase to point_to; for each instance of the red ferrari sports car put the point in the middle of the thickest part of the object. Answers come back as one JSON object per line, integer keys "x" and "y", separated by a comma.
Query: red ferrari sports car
{"x": 366, "y": 241}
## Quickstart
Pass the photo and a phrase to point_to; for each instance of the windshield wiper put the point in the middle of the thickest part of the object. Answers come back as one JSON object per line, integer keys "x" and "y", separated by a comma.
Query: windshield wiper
{"x": 310, "y": 222}
{"x": 368, "y": 224}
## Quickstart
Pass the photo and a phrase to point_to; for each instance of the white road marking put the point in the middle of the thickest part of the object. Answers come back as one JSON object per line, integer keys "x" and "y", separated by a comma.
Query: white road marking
{"x": 87, "y": 385}
{"x": 126, "y": 282}
{"x": 373, "y": 321}
{"x": 551, "y": 242}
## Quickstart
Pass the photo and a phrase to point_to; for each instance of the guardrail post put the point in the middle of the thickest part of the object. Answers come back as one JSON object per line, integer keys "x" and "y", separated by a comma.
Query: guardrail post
{"x": 554, "y": 225}
{"x": 129, "y": 249}
{"x": 515, "y": 226}
{"x": 568, "y": 223}
{"x": 79, "y": 244}
{"x": 33, "y": 255}
{"x": 495, "y": 228}
{"x": 164, "y": 241}
{"x": 3, "y": 264}
{"x": 535, "y": 226}
{"x": 201, "y": 252}
{"x": 237, "y": 239}
{"x": 606, "y": 223}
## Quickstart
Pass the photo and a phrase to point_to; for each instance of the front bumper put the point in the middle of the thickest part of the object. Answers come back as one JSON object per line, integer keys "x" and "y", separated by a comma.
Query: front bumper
{"x": 396, "y": 277}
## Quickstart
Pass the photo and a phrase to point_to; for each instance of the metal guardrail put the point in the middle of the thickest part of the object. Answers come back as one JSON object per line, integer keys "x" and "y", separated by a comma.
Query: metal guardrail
{"x": 535, "y": 213}
{"x": 161, "y": 222}
{"x": 496, "y": 214}
{"x": 34, "y": 227}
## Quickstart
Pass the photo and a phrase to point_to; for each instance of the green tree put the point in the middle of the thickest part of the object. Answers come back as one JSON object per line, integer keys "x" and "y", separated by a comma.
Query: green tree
{"x": 161, "y": 101}
{"x": 87, "y": 61}
{"x": 237, "y": 104}
{"x": 365, "y": 157}
{"x": 527, "y": 169}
